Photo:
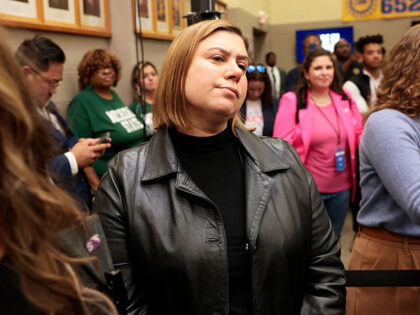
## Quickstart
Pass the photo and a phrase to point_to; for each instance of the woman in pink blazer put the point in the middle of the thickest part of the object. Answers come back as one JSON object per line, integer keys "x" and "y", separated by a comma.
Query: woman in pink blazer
{"x": 324, "y": 125}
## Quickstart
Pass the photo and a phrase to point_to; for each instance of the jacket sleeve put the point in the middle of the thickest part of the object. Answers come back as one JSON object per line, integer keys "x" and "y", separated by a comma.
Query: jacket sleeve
{"x": 285, "y": 122}
{"x": 61, "y": 166}
{"x": 391, "y": 144}
{"x": 357, "y": 119}
{"x": 324, "y": 291}
{"x": 111, "y": 206}
{"x": 354, "y": 91}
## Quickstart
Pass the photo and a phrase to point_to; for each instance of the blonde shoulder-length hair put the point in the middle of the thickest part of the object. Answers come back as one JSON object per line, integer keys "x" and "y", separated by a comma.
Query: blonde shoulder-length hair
{"x": 170, "y": 104}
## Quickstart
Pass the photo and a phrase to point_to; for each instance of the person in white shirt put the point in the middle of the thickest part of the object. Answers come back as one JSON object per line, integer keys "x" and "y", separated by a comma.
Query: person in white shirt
{"x": 364, "y": 85}
{"x": 259, "y": 109}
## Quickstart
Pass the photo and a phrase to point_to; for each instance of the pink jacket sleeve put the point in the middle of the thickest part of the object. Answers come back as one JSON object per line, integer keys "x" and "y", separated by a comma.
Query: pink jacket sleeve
{"x": 357, "y": 119}
{"x": 285, "y": 123}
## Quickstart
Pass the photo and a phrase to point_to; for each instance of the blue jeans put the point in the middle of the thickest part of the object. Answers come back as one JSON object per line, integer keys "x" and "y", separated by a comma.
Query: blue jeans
{"x": 337, "y": 205}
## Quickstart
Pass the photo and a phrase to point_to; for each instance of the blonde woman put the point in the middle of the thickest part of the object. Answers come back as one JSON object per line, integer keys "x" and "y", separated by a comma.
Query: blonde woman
{"x": 208, "y": 218}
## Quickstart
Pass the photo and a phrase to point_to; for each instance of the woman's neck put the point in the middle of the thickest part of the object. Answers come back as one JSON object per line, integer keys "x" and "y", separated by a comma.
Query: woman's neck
{"x": 321, "y": 97}
{"x": 201, "y": 130}
{"x": 149, "y": 97}
{"x": 104, "y": 93}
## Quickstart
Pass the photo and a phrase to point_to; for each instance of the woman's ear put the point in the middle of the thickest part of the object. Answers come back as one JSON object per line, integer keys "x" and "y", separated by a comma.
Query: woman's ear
{"x": 305, "y": 73}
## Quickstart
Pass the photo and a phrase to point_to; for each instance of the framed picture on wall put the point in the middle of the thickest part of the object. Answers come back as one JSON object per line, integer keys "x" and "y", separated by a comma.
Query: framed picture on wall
{"x": 162, "y": 21}
{"x": 144, "y": 16}
{"x": 159, "y": 19}
{"x": 178, "y": 22}
{"x": 94, "y": 15}
{"x": 59, "y": 12}
{"x": 88, "y": 17}
{"x": 19, "y": 10}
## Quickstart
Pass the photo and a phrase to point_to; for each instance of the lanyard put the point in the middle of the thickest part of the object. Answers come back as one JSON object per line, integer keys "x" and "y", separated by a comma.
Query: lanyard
{"x": 338, "y": 132}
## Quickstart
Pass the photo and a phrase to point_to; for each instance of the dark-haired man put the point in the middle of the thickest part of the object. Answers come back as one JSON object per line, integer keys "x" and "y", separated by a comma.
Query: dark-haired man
{"x": 364, "y": 85}
{"x": 347, "y": 62}
{"x": 311, "y": 42}
{"x": 42, "y": 61}
{"x": 276, "y": 74}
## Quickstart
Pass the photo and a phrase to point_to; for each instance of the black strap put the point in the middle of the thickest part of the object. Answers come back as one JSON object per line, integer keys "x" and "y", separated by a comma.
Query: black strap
{"x": 383, "y": 278}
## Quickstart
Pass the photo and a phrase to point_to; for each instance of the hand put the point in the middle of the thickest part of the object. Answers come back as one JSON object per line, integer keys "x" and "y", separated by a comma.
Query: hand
{"x": 86, "y": 151}
{"x": 92, "y": 178}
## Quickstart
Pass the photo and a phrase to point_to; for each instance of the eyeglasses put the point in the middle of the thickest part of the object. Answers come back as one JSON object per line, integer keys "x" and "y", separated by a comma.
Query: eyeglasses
{"x": 51, "y": 83}
{"x": 103, "y": 70}
{"x": 252, "y": 68}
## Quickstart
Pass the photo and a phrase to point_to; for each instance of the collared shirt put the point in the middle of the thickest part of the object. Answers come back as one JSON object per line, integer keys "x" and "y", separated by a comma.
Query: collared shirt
{"x": 53, "y": 119}
{"x": 355, "y": 92}
{"x": 274, "y": 74}
{"x": 374, "y": 84}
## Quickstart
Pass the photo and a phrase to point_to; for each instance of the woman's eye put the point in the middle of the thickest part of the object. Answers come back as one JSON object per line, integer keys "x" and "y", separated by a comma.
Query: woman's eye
{"x": 242, "y": 66}
{"x": 217, "y": 58}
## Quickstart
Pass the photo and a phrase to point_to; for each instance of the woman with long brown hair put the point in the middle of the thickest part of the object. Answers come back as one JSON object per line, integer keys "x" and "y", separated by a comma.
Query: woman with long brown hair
{"x": 324, "y": 125}
{"x": 144, "y": 80}
{"x": 259, "y": 109}
{"x": 35, "y": 276}
{"x": 389, "y": 217}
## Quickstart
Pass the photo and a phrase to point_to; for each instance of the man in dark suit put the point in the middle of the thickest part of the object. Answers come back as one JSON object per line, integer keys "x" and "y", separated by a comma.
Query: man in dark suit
{"x": 311, "y": 42}
{"x": 276, "y": 74}
{"x": 42, "y": 61}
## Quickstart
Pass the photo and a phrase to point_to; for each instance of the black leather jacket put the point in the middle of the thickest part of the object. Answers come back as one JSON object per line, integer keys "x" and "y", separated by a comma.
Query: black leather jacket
{"x": 168, "y": 238}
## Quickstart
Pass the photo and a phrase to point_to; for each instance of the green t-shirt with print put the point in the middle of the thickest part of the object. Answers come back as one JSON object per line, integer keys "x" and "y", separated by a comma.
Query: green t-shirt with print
{"x": 137, "y": 109}
{"x": 92, "y": 116}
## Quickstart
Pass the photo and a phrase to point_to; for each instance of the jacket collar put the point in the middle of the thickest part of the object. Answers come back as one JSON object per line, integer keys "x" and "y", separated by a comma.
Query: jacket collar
{"x": 263, "y": 156}
{"x": 161, "y": 159}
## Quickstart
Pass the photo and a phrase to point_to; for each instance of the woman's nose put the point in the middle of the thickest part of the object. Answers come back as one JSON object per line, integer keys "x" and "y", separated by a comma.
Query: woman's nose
{"x": 234, "y": 72}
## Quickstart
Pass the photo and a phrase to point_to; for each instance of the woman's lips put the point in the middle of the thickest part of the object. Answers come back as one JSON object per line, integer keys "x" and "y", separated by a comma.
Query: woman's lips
{"x": 232, "y": 89}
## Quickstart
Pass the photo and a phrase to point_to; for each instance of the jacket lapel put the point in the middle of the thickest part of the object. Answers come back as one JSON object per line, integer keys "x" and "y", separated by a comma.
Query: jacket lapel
{"x": 305, "y": 123}
{"x": 161, "y": 161}
{"x": 258, "y": 188}
{"x": 345, "y": 114}
{"x": 260, "y": 160}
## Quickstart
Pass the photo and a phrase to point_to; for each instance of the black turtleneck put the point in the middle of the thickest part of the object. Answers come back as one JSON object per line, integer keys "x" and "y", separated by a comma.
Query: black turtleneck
{"x": 215, "y": 165}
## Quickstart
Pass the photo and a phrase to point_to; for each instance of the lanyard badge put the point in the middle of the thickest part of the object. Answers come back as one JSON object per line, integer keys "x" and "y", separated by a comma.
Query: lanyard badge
{"x": 340, "y": 160}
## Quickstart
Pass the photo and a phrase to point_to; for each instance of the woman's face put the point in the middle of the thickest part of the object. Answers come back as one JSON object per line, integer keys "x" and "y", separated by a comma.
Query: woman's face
{"x": 320, "y": 73}
{"x": 216, "y": 85}
{"x": 255, "y": 90}
{"x": 103, "y": 77}
{"x": 148, "y": 79}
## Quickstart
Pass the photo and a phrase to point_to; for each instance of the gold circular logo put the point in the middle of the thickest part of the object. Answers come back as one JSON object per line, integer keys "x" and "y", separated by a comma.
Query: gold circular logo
{"x": 360, "y": 8}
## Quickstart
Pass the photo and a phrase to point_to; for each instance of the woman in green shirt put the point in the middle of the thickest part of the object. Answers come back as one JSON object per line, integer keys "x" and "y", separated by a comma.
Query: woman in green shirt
{"x": 144, "y": 80}
{"x": 97, "y": 109}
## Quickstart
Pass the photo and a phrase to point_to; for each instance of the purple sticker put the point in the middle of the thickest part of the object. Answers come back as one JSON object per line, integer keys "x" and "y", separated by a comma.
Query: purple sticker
{"x": 93, "y": 243}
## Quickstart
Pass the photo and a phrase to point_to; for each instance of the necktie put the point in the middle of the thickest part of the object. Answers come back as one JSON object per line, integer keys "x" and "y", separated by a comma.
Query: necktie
{"x": 274, "y": 82}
